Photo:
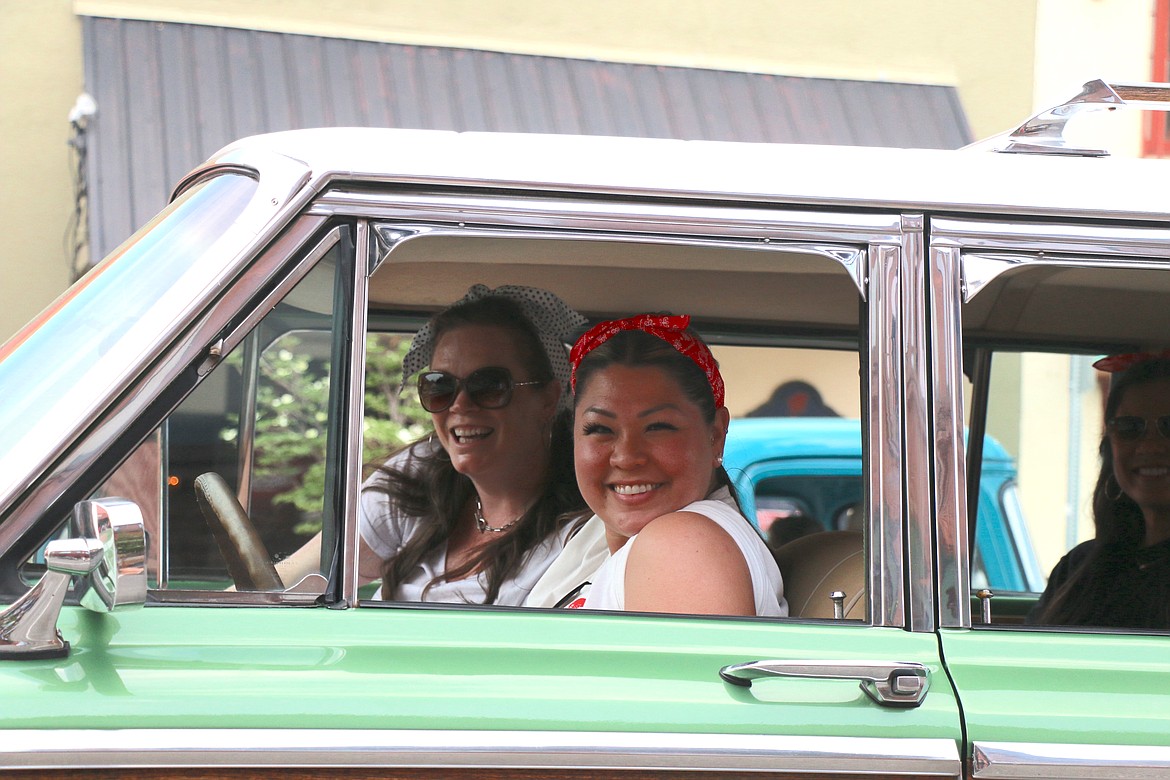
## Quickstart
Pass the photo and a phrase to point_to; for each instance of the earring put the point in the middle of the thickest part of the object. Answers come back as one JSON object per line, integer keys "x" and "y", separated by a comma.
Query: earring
{"x": 1108, "y": 495}
{"x": 719, "y": 461}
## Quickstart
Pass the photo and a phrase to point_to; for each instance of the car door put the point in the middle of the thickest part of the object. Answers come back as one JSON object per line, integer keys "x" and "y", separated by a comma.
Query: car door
{"x": 623, "y": 683}
{"x": 217, "y": 672}
{"x": 1040, "y": 303}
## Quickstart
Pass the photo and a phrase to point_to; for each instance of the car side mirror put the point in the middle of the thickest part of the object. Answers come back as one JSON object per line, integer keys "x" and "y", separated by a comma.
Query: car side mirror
{"x": 108, "y": 552}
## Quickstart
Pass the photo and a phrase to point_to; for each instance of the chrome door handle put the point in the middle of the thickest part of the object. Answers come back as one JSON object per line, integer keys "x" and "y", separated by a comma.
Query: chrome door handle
{"x": 888, "y": 683}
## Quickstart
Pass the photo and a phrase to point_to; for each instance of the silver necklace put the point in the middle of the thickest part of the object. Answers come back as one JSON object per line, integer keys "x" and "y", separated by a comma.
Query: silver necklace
{"x": 484, "y": 526}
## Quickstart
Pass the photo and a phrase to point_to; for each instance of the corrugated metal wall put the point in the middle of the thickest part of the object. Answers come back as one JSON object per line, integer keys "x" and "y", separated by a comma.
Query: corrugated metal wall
{"x": 170, "y": 95}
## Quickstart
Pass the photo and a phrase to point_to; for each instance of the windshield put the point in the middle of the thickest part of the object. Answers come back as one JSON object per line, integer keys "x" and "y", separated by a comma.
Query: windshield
{"x": 74, "y": 355}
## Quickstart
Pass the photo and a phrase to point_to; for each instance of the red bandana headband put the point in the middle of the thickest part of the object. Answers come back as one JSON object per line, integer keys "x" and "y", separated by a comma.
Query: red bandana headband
{"x": 1116, "y": 363}
{"x": 670, "y": 328}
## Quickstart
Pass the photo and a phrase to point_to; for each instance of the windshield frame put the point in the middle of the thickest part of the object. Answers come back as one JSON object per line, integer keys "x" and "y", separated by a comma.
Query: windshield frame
{"x": 70, "y": 363}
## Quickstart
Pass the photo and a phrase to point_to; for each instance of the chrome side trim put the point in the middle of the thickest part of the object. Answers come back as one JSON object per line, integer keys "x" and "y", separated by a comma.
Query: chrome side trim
{"x": 578, "y": 213}
{"x": 981, "y": 268}
{"x": 884, "y": 453}
{"x": 851, "y": 258}
{"x": 365, "y": 253}
{"x": 1019, "y": 236}
{"x": 950, "y": 461}
{"x": 916, "y": 466}
{"x": 1010, "y": 760}
{"x": 59, "y": 749}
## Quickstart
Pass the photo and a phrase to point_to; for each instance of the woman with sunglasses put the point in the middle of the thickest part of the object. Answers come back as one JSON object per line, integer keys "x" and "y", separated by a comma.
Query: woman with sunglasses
{"x": 1121, "y": 578}
{"x": 649, "y": 429}
{"x": 476, "y": 512}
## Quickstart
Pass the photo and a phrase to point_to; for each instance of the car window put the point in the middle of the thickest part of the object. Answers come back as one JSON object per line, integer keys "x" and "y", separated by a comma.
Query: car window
{"x": 1031, "y": 338}
{"x": 773, "y": 378}
{"x": 257, "y": 433}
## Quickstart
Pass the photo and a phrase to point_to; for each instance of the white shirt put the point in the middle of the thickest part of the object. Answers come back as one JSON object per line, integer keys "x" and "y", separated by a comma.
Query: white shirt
{"x": 608, "y": 590}
{"x": 573, "y": 570}
{"x": 385, "y": 529}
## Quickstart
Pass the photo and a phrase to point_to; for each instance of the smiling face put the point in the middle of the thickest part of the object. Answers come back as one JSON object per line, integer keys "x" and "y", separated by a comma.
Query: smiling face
{"x": 506, "y": 443}
{"x": 1142, "y": 465}
{"x": 642, "y": 448}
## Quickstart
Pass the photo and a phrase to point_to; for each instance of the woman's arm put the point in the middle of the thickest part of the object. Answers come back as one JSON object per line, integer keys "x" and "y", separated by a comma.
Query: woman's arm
{"x": 684, "y": 562}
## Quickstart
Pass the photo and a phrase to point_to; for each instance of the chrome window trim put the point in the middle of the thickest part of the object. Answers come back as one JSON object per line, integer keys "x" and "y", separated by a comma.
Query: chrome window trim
{"x": 1053, "y": 237}
{"x": 852, "y": 258}
{"x": 949, "y": 448}
{"x": 994, "y": 247}
{"x": 126, "y": 748}
{"x": 581, "y": 212}
{"x": 1011, "y": 760}
{"x": 879, "y": 245}
{"x": 918, "y": 439}
{"x": 981, "y": 268}
{"x": 884, "y": 453}
{"x": 364, "y": 246}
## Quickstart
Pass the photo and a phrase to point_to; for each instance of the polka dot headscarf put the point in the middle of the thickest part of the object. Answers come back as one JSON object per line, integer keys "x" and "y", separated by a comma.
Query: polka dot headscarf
{"x": 556, "y": 324}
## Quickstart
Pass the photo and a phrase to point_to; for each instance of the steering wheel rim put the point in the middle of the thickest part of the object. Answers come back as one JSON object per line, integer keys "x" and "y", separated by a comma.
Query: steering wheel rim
{"x": 249, "y": 564}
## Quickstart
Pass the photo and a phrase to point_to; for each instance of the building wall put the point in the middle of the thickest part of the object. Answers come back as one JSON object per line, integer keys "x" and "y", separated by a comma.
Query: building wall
{"x": 1006, "y": 57}
{"x": 40, "y": 78}
{"x": 985, "y": 47}
{"x": 920, "y": 41}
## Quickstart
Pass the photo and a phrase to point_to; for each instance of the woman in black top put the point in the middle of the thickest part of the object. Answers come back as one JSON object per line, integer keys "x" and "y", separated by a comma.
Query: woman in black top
{"x": 1121, "y": 578}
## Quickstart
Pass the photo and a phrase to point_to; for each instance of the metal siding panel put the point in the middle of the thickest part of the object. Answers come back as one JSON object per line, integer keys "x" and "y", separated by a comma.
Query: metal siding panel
{"x": 405, "y": 97}
{"x": 340, "y": 88}
{"x": 145, "y": 135}
{"x": 109, "y": 148}
{"x": 859, "y": 112}
{"x": 683, "y": 108}
{"x": 738, "y": 98}
{"x": 435, "y": 93}
{"x": 658, "y": 119}
{"x": 615, "y": 82}
{"x": 213, "y": 106}
{"x": 307, "y": 87}
{"x": 178, "y": 103}
{"x": 371, "y": 85}
{"x": 245, "y": 82}
{"x": 770, "y": 99}
{"x": 825, "y": 121}
{"x": 471, "y": 97}
{"x": 276, "y": 94}
{"x": 533, "y": 109}
{"x": 565, "y": 102}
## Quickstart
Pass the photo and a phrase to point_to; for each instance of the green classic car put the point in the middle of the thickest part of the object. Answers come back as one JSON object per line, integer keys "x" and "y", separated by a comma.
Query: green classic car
{"x": 243, "y": 338}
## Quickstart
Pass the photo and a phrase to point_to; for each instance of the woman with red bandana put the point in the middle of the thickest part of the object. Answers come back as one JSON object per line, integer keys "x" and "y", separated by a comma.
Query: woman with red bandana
{"x": 1121, "y": 578}
{"x": 649, "y": 429}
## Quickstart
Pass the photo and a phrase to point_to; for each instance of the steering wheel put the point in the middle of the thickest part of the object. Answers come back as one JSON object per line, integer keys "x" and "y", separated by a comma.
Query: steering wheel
{"x": 248, "y": 561}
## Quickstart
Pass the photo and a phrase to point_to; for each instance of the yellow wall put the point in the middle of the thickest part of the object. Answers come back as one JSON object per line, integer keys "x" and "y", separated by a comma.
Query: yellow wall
{"x": 40, "y": 78}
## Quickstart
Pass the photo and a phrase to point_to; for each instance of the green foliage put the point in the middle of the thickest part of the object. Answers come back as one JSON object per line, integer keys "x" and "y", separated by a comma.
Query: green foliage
{"x": 292, "y": 424}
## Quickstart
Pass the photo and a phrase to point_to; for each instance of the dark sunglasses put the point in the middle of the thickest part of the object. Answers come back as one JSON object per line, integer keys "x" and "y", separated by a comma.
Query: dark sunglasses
{"x": 488, "y": 388}
{"x": 1130, "y": 427}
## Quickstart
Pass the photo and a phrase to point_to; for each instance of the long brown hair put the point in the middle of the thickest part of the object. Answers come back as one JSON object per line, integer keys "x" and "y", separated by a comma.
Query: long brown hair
{"x": 430, "y": 488}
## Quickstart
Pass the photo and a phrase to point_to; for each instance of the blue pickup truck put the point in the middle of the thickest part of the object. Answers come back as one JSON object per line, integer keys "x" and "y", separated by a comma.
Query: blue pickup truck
{"x": 798, "y": 475}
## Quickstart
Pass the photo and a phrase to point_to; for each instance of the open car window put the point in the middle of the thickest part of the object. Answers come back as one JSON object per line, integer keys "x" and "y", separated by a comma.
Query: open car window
{"x": 790, "y": 343}
{"x": 1031, "y": 336}
{"x": 235, "y": 479}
